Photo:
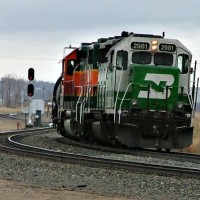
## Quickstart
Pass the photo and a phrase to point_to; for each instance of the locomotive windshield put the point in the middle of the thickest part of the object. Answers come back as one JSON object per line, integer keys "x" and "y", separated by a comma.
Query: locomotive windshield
{"x": 163, "y": 59}
{"x": 158, "y": 58}
{"x": 141, "y": 58}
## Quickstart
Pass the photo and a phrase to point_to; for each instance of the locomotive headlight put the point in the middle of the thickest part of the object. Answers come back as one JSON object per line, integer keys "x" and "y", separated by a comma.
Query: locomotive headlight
{"x": 134, "y": 102}
{"x": 180, "y": 105}
{"x": 154, "y": 45}
{"x": 188, "y": 115}
{"x": 154, "y": 42}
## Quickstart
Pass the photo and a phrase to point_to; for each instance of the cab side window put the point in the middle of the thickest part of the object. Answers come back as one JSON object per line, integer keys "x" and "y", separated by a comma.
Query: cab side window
{"x": 70, "y": 67}
{"x": 183, "y": 61}
{"x": 122, "y": 59}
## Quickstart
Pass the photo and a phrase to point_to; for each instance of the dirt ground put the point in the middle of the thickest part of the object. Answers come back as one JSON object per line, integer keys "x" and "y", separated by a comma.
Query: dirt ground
{"x": 10, "y": 190}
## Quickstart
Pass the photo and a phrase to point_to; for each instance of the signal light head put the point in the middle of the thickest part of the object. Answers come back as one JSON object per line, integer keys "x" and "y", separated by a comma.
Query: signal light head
{"x": 30, "y": 74}
{"x": 30, "y": 90}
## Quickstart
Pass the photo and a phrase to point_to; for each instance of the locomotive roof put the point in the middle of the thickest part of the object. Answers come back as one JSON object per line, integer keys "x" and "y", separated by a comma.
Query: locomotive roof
{"x": 74, "y": 49}
{"x": 148, "y": 38}
{"x": 116, "y": 41}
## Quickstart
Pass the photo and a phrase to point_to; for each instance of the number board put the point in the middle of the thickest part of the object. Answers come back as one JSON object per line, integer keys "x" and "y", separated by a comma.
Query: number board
{"x": 167, "y": 47}
{"x": 140, "y": 45}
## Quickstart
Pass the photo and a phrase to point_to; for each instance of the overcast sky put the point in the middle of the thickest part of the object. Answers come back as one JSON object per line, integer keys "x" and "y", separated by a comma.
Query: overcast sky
{"x": 33, "y": 33}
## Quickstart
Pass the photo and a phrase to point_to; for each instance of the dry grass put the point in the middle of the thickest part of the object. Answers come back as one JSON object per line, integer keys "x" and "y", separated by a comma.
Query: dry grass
{"x": 11, "y": 125}
{"x": 196, "y": 124}
{"x": 8, "y": 125}
{"x": 4, "y": 110}
{"x": 195, "y": 147}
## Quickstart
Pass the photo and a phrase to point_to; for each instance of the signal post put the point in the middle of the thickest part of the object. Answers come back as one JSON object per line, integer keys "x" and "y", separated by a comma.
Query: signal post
{"x": 30, "y": 93}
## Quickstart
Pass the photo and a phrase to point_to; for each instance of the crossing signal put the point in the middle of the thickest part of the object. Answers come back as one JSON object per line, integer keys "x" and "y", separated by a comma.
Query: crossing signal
{"x": 30, "y": 90}
{"x": 30, "y": 74}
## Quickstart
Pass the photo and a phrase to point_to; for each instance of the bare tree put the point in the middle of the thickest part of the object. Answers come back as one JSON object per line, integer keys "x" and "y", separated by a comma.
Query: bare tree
{"x": 12, "y": 87}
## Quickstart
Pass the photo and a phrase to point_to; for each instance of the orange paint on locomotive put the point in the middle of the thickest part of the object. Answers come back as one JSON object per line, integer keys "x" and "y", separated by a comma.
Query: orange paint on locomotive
{"x": 74, "y": 79}
{"x": 70, "y": 62}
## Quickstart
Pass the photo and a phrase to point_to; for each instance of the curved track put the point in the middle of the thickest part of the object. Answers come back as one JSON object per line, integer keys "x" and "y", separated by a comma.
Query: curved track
{"x": 13, "y": 138}
{"x": 186, "y": 157}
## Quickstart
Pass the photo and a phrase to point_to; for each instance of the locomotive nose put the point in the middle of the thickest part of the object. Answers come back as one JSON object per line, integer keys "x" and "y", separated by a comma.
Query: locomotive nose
{"x": 154, "y": 87}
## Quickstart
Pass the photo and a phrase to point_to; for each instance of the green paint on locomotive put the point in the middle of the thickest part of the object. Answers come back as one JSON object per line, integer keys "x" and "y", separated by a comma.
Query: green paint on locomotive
{"x": 155, "y": 87}
{"x": 125, "y": 103}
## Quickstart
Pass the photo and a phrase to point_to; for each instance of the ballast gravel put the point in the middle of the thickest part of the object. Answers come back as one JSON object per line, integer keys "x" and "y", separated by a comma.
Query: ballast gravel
{"x": 133, "y": 185}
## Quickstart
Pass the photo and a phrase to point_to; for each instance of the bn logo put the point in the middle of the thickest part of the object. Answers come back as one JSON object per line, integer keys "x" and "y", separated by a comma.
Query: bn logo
{"x": 158, "y": 84}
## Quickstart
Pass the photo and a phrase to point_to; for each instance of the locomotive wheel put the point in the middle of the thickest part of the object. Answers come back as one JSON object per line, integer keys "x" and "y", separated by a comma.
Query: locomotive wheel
{"x": 159, "y": 149}
{"x": 168, "y": 150}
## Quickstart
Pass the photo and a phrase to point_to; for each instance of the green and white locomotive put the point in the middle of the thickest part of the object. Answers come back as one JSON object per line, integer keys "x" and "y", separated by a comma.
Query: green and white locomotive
{"x": 131, "y": 90}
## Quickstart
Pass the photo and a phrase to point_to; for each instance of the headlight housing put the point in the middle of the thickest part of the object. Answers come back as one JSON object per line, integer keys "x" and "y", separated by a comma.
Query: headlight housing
{"x": 180, "y": 105}
{"x": 134, "y": 102}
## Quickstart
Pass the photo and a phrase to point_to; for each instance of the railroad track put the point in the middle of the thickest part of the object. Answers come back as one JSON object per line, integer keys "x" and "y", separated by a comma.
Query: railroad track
{"x": 7, "y": 116}
{"x": 178, "y": 156}
{"x": 13, "y": 139}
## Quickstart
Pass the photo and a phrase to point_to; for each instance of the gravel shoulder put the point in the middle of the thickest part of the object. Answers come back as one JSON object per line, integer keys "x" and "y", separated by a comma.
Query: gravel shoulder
{"x": 23, "y": 178}
{"x": 31, "y": 178}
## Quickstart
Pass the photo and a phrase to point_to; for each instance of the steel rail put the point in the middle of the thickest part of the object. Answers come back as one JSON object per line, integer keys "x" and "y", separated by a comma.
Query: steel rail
{"x": 17, "y": 132}
{"x": 96, "y": 161}
{"x": 7, "y": 116}
{"x": 180, "y": 156}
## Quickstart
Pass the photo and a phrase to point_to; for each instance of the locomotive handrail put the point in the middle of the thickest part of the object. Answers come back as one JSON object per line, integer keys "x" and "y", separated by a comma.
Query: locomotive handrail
{"x": 75, "y": 68}
{"x": 78, "y": 101}
{"x": 189, "y": 97}
{"x": 117, "y": 93}
{"x": 68, "y": 81}
{"x": 196, "y": 95}
{"x": 102, "y": 88}
{"x": 89, "y": 87}
{"x": 124, "y": 99}
{"x": 119, "y": 111}
{"x": 187, "y": 93}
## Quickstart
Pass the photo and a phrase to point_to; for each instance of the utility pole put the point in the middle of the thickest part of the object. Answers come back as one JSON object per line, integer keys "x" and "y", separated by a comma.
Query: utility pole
{"x": 9, "y": 88}
{"x": 22, "y": 99}
{"x": 2, "y": 90}
{"x": 43, "y": 91}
